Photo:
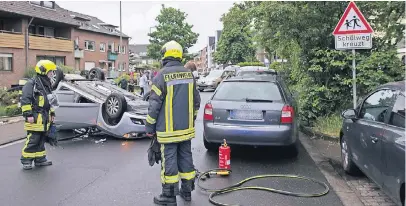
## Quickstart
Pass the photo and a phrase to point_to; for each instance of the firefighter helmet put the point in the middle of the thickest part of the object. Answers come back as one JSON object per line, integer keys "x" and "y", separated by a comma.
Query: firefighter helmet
{"x": 172, "y": 49}
{"x": 45, "y": 66}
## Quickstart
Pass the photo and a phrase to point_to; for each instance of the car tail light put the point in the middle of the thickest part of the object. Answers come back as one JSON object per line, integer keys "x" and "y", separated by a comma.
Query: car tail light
{"x": 287, "y": 114}
{"x": 208, "y": 112}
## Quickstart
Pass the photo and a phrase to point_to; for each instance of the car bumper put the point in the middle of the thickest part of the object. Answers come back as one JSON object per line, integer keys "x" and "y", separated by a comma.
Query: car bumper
{"x": 273, "y": 135}
{"x": 205, "y": 86}
{"x": 131, "y": 126}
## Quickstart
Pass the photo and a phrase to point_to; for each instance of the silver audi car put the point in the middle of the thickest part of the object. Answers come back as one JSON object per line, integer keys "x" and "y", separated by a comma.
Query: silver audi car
{"x": 251, "y": 110}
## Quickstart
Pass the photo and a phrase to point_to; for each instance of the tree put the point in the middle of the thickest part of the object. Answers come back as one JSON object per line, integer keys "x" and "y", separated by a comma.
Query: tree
{"x": 235, "y": 44}
{"x": 301, "y": 32}
{"x": 171, "y": 26}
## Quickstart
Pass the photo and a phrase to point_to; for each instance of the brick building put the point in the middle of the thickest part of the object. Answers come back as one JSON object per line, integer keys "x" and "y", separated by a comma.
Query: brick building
{"x": 31, "y": 31}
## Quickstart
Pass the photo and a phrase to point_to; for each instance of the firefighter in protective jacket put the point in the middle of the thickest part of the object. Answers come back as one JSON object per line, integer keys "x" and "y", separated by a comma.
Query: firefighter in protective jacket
{"x": 173, "y": 106}
{"x": 36, "y": 108}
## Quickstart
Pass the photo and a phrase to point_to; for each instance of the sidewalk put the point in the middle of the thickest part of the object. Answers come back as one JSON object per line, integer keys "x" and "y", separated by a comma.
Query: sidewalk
{"x": 328, "y": 158}
{"x": 12, "y": 132}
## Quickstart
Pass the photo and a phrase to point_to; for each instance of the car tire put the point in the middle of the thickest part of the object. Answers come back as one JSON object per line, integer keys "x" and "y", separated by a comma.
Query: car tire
{"x": 209, "y": 146}
{"x": 56, "y": 78}
{"x": 293, "y": 150}
{"x": 346, "y": 158}
{"x": 115, "y": 106}
{"x": 96, "y": 73}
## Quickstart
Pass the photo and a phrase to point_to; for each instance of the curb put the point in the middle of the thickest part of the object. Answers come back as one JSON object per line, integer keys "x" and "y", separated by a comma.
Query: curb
{"x": 12, "y": 141}
{"x": 315, "y": 134}
{"x": 337, "y": 183}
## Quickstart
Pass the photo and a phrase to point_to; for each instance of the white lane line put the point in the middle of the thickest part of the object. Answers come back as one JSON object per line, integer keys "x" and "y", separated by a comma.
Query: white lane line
{"x": 12, "y": 143}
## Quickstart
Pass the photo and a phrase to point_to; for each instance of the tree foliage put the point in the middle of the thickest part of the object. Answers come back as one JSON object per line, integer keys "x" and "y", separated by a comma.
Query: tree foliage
{"x": 172, "y": 25}
{"x": 321, "y": 76}
{"x": 235, "y": 44}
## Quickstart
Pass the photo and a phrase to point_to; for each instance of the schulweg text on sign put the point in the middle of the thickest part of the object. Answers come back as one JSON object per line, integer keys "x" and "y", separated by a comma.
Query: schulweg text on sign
{"x": 353, "y": 41}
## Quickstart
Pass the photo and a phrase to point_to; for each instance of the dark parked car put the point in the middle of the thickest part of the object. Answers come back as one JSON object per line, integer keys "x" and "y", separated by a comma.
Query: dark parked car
{"x": 255, "y": 110}
{"x": 373, "y": 139}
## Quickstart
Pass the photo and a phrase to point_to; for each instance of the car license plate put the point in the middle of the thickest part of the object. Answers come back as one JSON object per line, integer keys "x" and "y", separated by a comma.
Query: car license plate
{"x": 246, "y": 114}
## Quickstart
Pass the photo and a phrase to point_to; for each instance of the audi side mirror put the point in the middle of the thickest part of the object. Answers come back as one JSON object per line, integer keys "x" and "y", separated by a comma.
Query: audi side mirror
{"x": 349, "y": 114}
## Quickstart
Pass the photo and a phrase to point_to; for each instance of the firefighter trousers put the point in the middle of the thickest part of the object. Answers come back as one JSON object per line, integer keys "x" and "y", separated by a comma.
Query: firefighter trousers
{"x": 34, "y": 148}
{"x": 177, "y": 163}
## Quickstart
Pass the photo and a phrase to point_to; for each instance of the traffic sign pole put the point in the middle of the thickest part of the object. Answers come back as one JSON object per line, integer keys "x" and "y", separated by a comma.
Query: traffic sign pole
{"x": 354, "y": 80}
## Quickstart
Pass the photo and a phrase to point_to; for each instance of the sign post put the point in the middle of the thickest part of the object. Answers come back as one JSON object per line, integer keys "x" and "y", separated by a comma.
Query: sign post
{"x": 353, "y": 32}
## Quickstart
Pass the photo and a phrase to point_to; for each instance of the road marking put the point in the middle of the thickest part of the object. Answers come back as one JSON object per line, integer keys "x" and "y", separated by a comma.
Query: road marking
{"x": 12, "y": 143}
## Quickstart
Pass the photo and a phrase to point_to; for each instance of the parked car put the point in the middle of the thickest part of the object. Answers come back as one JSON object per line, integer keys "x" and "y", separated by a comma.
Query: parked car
{"x": 213, "y": 80}
{"x": 255, "y": 70}
{"x": 94, "y": 105}
{"x": 256, "y": 110}
{"x": 373, "y": 139}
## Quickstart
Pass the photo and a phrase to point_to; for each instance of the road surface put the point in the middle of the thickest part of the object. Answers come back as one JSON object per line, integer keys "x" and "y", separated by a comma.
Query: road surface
{"x": 116, "y": 172}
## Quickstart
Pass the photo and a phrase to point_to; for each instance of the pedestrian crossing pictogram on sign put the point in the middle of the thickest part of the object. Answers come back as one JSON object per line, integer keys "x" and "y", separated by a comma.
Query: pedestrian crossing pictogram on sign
{"x": 352, "y": 22}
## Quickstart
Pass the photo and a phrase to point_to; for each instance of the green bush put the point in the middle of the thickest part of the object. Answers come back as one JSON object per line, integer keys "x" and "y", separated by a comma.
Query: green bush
{"x": 29, "y": 72}
{"x": 329, "y": 125}
{"x": 125, "y": 76}
{"x": 12, "y": 110}
{"x": 8, "y": 98}
{"x": 243, "y": 64}
{"x": 67, "y": 69}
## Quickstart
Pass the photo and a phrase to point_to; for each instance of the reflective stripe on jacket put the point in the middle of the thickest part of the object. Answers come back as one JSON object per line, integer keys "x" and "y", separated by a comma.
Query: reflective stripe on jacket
{"x": 34, "y": 103}
{"x": 173, "y": 104}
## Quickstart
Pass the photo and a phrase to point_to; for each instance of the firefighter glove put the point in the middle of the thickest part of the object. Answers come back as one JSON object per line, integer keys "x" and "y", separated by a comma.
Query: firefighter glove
{"x": 154, "y": 152}
{"x": 52, "y": 136}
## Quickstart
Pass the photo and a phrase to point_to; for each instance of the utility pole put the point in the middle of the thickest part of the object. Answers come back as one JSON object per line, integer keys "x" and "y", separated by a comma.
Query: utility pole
{"x": 27, "y": 44}
{"x": 121, "y": 35}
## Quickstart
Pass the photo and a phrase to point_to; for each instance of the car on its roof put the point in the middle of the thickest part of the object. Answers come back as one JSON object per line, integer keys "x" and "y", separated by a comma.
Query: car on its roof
{"x": 95, "y": 104}
{"x": 254, "y": 110}
{"x": 255, "y": 70}
{"x": 372, "y": 139}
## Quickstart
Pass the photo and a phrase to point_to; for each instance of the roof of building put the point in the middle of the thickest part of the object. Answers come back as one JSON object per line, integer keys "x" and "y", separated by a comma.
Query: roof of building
{"x": 60, "y": 15}
{"x": 27, "y": 9}
{"x": 94, "y": 24}
{"x": 138, "y": 48}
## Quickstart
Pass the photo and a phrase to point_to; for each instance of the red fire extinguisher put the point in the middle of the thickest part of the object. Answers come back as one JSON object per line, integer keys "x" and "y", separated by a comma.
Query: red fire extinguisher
{"x": 224, "y": 157}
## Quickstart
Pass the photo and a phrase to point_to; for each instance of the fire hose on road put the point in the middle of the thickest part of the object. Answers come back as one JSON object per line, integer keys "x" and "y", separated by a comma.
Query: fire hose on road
{"x": 224, "y": 170}
{"x": 238, "y": 186}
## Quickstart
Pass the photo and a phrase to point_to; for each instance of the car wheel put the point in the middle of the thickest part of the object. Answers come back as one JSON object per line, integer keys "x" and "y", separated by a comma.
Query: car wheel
{"x": 115, "y": 105}
{"x": 293, "y": 150}
{"x": 346, "y": 158}
{"x": 96, "y": 73}
{"x": 209, "y": 146}
{"x": 57, "y": 76}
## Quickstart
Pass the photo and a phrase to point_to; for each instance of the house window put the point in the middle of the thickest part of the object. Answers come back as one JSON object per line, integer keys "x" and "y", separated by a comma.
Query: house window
{"x": 122, "y": 50}
{"x": 46, "y": 4}
{"x": 58, "y": 60}
{"x": 89, "y": 45}
{"x": 102, "y": 47}
{"x": 6, "y": 62}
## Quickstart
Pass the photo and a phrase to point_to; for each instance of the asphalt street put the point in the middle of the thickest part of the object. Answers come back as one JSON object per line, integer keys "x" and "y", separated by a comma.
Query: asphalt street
{"x": 116, "y": 172}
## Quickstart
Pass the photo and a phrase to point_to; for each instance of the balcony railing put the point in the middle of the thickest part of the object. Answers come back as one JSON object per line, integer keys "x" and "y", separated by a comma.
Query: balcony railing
{"x": 10, "y": 39}
{"x": 51, "y": 44}
{"x": 111, "y": 56}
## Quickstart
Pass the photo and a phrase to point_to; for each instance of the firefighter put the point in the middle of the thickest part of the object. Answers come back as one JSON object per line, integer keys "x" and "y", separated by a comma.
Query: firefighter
{"x": 36, "y": 107}
{"x": 173, "y": 106}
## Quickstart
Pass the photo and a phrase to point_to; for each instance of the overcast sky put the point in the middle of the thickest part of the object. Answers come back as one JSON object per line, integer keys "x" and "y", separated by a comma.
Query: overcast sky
{"x": 139, "y": 16}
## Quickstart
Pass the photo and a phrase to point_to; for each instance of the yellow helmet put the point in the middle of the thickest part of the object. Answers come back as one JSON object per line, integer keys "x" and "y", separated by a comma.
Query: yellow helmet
{"x": 172, "y": 49}
{"x": 44, "y": 66}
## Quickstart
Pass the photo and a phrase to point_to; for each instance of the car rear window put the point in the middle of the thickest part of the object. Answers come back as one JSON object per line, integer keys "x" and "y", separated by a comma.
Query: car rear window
{"x": 235, "y": 91}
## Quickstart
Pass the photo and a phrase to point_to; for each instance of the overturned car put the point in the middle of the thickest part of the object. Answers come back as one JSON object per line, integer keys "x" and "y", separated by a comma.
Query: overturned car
{"x": 90, "y": 104}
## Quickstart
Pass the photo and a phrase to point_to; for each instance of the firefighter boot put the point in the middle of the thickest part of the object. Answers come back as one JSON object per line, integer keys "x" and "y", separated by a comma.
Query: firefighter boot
{"x": 187, "y": 196}
{"x": 165, "y": 200}
{"x": 42, "y": 162}
{"x": 27, "y": 166}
